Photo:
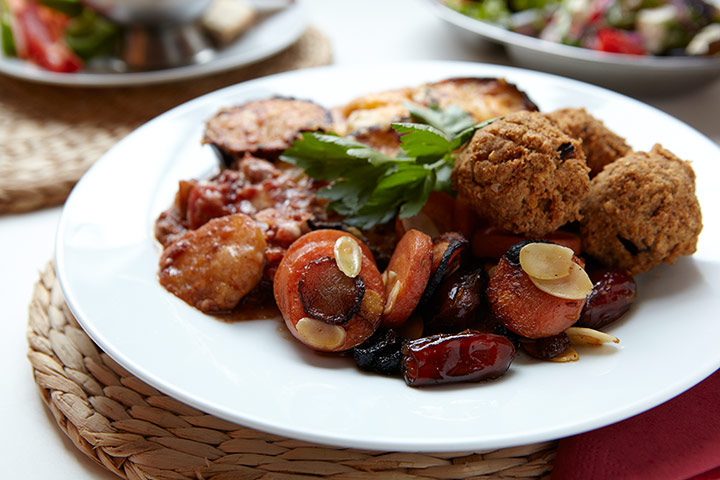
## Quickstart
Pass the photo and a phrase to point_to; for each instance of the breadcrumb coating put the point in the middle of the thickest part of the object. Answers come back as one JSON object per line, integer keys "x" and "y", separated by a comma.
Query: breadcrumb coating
{"x": 600, "y": 145}
{"x": 642, "y": 211}
{"x": 523, "y": 174}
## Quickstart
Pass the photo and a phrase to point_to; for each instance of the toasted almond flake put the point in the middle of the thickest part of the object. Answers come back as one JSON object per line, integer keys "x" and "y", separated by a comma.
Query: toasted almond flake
{"x": 319, "y": 334}
{"x": 348, "y": 256}
{"x": 569, "y": 355}
{"x": 589, "y": 336}
{"x": 546, "y": 261}
{"x": 388, "y": 276}
{"x": 392, "y": 290}
{"x": 575, "y": 286}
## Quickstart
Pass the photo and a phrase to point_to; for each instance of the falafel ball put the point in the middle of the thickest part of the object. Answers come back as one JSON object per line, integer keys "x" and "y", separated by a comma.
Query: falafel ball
{"x": 642, "y": 211}
{"x": 523, "y": 174}
{"x": 600, "y": 145}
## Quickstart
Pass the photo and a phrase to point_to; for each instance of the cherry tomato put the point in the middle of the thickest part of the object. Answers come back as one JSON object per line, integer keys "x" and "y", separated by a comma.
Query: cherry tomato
{"x": 619, "y": 41}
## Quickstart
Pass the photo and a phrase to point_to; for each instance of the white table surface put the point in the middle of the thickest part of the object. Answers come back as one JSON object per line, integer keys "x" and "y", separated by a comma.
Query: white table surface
{"x": 362, "y": 32}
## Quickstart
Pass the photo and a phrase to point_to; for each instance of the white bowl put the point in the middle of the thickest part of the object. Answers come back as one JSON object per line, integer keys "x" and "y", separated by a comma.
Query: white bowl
{"x": 633, "y": 74}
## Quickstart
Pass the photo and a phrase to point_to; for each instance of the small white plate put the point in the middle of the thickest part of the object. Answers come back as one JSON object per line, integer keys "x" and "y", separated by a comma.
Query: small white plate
{"x": 627, "y": 73}
{"x": 270, "y": 35}
{"x": 254, "y": 373}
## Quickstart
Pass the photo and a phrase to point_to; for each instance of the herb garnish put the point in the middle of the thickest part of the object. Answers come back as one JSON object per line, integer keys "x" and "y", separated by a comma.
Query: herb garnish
{"x": 369, "y": 187}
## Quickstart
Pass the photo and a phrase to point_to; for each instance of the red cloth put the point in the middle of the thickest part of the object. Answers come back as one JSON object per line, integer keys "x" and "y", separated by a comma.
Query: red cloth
{"x": 677, "y": 440}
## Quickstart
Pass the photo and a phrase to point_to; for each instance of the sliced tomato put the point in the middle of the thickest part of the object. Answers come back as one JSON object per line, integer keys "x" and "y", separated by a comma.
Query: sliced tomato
{"x": 619, "y": 41}
{"x": 39, "y": 34}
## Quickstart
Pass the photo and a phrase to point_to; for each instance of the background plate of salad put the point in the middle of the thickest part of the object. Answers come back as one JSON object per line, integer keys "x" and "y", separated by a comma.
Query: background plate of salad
{"x": 62, "y": 42}
{"x": 637, "y": 46}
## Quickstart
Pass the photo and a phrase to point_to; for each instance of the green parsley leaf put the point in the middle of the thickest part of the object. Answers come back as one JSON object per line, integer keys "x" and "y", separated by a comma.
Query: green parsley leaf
{"x": 423, "y": 142}
{"x": 329, "y": 156}
{"x": 450, "y": 121}
{"x": 368, "y": 187}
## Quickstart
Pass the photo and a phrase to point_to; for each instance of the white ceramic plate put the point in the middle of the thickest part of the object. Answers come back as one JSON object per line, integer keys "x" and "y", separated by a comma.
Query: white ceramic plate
{"x": 269, "y": 36}
{"x": 254, "y": 373}
{"x": 628, "y": 73}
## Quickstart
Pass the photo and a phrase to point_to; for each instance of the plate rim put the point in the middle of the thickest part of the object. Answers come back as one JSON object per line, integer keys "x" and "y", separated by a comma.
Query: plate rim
{"x": 23, "y": 70}
{"x": 210, "y": 407}
{"x": 507, "y": 38}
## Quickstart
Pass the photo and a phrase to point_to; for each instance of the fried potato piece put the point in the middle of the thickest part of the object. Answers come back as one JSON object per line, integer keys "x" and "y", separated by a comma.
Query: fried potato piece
{"x": 263, "y": 128}
{"x": 214, "y": 267}
{"x": 483, "y": 98}
{"x": 375, "y": 109}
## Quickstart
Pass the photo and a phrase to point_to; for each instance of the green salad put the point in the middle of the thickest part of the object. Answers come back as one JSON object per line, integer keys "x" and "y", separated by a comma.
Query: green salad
{"x": 635, "y": 27}
{"x": 57, "y": 35}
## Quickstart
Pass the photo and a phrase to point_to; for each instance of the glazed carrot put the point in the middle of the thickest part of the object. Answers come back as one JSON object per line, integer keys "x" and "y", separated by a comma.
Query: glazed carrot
{"x": 489, "y": 242}
{"x": 322, "y": 306}
{"x": 465, "y": 220}
{"x": 436, "y": 216}
{"x": 447, "y": 252}
{"x": 406, "y": 277}
{"x": 525, "y": 309}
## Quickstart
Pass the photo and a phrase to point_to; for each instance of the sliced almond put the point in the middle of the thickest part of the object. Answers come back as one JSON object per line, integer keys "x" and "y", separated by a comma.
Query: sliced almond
{"x": 575, "y": 286}
{"x": 320, "y": 335}
{"x": 569, "y": 355}
{"x": 392, "y": 291}
{"x": 546, "y": 261}
{"x": 388, "y": 276}
{"x": 348, "y": 256}
{"x": 589, "y": 336}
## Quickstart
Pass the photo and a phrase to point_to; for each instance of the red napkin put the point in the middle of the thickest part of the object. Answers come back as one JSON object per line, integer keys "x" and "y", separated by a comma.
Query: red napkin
{"x": 678, "y": 440}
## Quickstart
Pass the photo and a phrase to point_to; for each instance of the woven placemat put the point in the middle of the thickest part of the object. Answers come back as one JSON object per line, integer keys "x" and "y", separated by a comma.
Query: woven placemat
{"x": 136, "y": 432}
{"x": 50, "y": 135}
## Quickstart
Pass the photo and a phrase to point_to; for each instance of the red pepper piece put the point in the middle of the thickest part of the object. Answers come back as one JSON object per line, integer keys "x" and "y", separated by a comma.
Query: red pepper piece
{"x": 619, "y": 41}
{"x": 39, "y": 38}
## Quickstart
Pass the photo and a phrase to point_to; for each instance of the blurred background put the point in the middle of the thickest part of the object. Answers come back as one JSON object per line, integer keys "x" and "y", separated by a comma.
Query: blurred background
{"x": 64, "y": 101}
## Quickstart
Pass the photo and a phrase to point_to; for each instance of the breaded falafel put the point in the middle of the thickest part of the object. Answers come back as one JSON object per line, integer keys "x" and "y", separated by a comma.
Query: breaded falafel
{"x": 523, "y": 174}
{"x": 642, "y": 211}
{"x": 600, "y": 145}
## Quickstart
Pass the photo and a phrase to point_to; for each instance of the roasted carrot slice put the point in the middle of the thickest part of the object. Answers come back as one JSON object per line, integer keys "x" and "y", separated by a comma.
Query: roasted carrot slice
{"x": 436, "y": 216}
{"x": 447, "y": 252}
{"x": 465, "y": 220}
{"x": 525, "y": 309}
{"x": 406, "y": 277}
{"x": 306, "y": 291}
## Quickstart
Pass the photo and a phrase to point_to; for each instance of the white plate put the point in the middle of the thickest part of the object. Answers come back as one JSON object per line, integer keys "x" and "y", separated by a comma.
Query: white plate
{"x": 627, "y": 73}
{"x": 254, "y": 373}
{"x": 269, "y": 36}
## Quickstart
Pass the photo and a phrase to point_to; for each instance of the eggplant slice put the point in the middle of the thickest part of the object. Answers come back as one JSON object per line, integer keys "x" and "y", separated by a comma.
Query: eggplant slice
{"x": 263, "y": 128}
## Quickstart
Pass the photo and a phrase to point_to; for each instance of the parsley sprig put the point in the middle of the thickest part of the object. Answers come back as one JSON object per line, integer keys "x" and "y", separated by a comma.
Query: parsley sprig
{"x": 368, "y": 187}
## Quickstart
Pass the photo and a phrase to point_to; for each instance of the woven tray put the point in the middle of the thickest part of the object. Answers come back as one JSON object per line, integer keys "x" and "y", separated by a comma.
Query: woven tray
{"x": 136, "y": 432}
{"x": 50, "y": 135}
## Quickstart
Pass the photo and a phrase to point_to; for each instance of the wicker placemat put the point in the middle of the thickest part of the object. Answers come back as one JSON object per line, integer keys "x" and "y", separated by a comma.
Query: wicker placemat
{"x": 138, "y": 433}
{"x": 50, "y": 135}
